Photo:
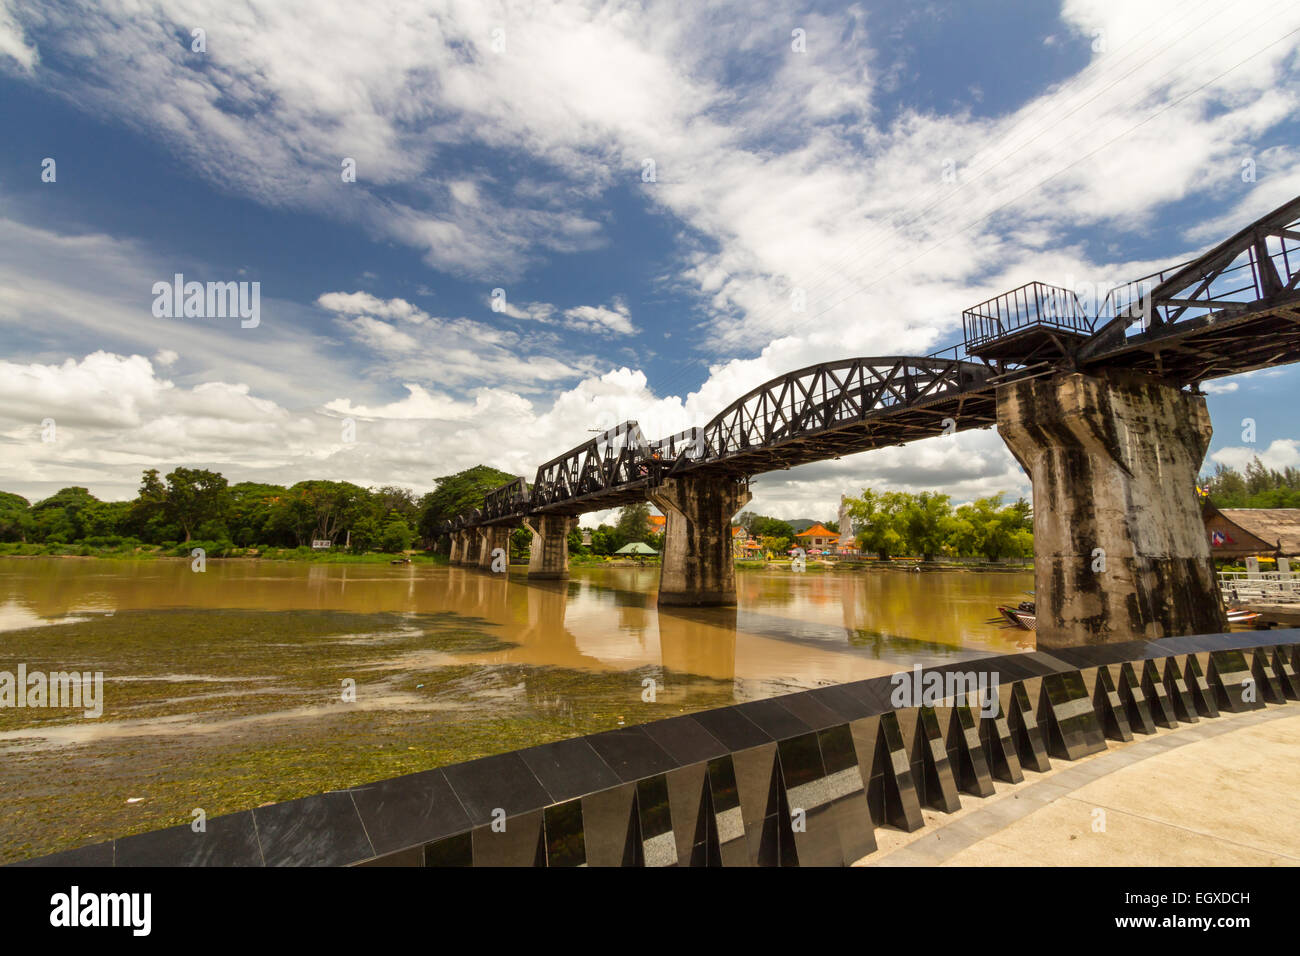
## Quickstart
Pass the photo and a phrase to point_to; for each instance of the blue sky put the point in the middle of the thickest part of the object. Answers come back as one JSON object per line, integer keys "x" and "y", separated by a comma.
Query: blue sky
{"x": 896, "y": 162}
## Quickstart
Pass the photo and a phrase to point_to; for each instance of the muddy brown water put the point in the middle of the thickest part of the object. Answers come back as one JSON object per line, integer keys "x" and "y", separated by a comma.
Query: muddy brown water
{"x": 231, "y": 688}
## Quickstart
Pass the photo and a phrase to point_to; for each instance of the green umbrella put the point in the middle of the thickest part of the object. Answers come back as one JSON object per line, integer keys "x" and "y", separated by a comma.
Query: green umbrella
{"x": 636, "y": 547}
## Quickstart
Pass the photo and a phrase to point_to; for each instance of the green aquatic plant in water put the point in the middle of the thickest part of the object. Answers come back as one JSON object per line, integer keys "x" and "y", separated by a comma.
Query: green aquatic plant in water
{"x": 230, "y": 709}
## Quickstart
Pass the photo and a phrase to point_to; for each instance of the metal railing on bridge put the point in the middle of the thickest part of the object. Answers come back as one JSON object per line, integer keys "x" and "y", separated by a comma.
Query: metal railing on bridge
{"x": 1260, "y": 587}
{"x": 1259, "y": 265}
{"x": 1033, "y": 306}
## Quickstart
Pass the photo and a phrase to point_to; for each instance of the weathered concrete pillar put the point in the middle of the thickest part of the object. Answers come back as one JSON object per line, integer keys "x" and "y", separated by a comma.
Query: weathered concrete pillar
{"x": 548, "y": 554}
{"x": 1120, "y": 550}
{"x": 457, "y": 546}
{"x": 490, "y": 538}
{"x": 469, "y": 548}
{"x": 697, "y": 562}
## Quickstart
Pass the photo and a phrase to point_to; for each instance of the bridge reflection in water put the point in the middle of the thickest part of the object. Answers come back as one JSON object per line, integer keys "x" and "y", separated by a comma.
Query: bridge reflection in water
{"x": 787, "y": 631}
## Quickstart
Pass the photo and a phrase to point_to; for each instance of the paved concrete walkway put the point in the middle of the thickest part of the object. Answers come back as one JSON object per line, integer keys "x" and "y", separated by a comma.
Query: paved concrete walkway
{"x": 1220, "y": 792}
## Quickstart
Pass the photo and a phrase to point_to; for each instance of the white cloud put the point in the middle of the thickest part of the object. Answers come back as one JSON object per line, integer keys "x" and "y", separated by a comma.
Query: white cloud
{"x": 1281, "y": 453}
{"x": 116, "y": 416}
{"x": 596, "y": 318}
{"x": 1219, "y": 388}
{"x": 408, "y": 342}
{"x": 61, "y": 288}
{"x": 12, "y": 42}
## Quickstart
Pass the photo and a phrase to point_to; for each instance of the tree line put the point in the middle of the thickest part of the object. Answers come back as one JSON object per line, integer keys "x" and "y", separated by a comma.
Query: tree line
{"x": 194, "y": 506}
{"x": 1257, "y": 487}
{"x": 926, "y": 525}
{"x": 190, "y": 507}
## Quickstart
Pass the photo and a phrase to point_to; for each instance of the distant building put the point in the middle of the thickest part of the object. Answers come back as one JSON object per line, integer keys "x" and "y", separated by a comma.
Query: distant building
{"x": 847, "y": 544}
{"x": 818, "y": 536}
{"x": 655, "y": 524}
{"x": 742, "y": 545}
{"x": 1249, "y": 532}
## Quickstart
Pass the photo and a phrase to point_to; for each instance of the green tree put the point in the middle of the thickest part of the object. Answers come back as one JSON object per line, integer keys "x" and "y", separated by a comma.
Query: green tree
{"x": 986, "y": 527}
{"x": 365, "y": 534}
{"x": 392, "y": 498}
{"x": 606, "y": 540}
{"x": 457, "y": 494}
{"x": 105, "y": 519}
{"x": 925, "y": 523}
{"x": 322, "y": 510}
{"x": 633, "y": 522}
{"x": 146, "y": 518}
{"x": 521, "y": 544}
{"x": 396, "y": 534}
{"x": 58, "y": 518}
{"x": 1260, "y": 487}
{"x": 876, "y": 516}
{"x": 195, "y": 496}
{"x": 764, "y": 527}
{"x": 15, "y": 519}
{"x": 249, "y": 517}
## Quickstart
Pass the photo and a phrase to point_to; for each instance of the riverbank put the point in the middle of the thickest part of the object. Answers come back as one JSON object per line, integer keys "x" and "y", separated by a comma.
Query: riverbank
{"x": 224, "y": 551}
{"x": 217, "y": 550}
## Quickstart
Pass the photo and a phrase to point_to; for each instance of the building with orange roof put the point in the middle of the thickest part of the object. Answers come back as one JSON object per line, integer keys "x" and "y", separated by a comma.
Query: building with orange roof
{"x": 818, "y": 536}
{"x": 742, "y": 545}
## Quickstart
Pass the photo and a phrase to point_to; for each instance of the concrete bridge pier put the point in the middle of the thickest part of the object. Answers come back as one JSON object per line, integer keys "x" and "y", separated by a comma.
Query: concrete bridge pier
{"x": 490, "y": 538}
{"x": 457, "y": 547}
{"x": 469, "y": 546}
{"x": 1120, "y": 550}
{"x": 697, "y": 562}
{"x": 548, "y": 554}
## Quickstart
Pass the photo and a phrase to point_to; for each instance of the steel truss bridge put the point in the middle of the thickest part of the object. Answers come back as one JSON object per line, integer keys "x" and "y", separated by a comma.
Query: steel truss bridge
{"x": 1234, "y": 309}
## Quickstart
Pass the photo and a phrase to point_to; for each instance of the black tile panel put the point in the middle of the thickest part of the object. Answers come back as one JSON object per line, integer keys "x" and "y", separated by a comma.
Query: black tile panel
{"x": 568, "y": 768}
{"x": 773, "y": 719}
{"x": 94, "y": 855}
{"x": 684, "y": 739}
{"x": 809, "y": 709}
{"x": 404, "y": 811}
{"x": 502, "y": 781}
{"x": 732, "y": 728}
{"x": 562, "y": 825}
{"x": 631, "y": 753}
{"x": 229, "y": 840}
{"x": 844, "y": 704}
{"x": 321, "y": 830}
{"x": 874, "y": 694}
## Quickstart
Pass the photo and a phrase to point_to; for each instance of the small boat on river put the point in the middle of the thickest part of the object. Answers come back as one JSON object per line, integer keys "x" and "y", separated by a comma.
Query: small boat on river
{"x": 1023, "y": 616}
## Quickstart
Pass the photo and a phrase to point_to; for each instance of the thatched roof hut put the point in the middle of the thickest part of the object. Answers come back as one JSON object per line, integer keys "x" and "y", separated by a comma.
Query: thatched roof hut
{"x": 1242, "y": 532}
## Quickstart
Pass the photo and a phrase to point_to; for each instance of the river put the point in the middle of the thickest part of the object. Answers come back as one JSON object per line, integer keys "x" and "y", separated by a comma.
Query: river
{"x": 256, "y": 681}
